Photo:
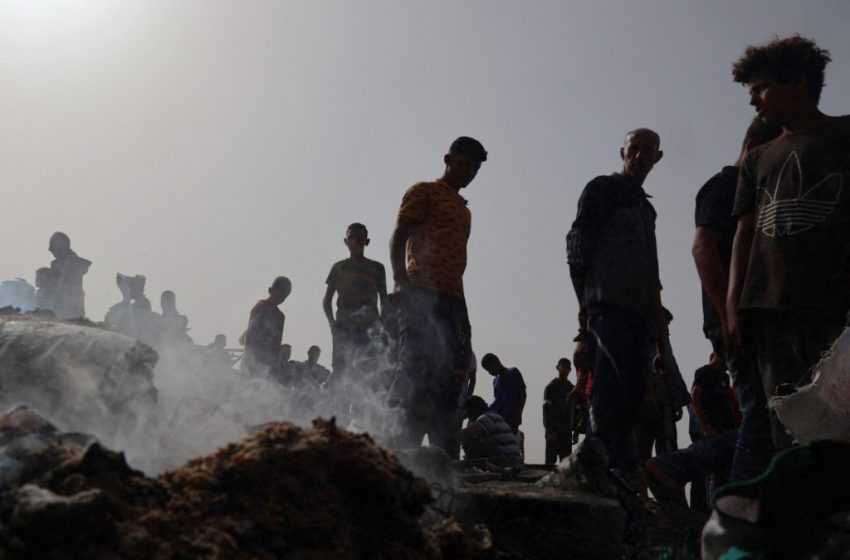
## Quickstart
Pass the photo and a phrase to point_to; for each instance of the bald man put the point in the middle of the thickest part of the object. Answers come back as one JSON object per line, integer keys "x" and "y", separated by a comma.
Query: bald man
{"x": 613, "y": 263}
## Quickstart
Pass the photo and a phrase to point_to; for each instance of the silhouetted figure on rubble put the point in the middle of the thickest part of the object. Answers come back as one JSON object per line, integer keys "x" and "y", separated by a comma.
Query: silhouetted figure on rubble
{"x": 173, "y": 325}
{"x": 45, "y": 289}
{"x": 265, "y": 330}
{"x": 217, "y": 351}
{"x": 287, "y": 369}
{"x": 358, "y": 283}
{"x": 508, "y": 390}
{"x": 487, "y": 435}
{"x": 132, "y": 316}
{"x": 664, "y": 404}
{"x": 67, "y": 270}
{"x": 788, "y": 293}
{"x": 559, "y": 410}
{"x": 707, "y": 461}
{"x": 313, "y": 373}
{"x": 428, "y": 256}
{"x": 613, "y": 259}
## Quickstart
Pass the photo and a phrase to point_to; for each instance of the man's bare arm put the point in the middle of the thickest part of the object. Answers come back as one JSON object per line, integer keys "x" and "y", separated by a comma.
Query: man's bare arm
{"x": 740, "y": 258}
{"x": 521, "y": 407}
{"x": 706, "y": 252}
{"x": 404, "y": 228}
{"x": 327, "y": 304}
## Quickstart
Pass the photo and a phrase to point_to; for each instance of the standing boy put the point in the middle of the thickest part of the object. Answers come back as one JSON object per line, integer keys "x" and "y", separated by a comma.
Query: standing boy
{"x": 508, "y": 390}
{"x": 558, "y": 414}
{"x": 358, "y": 283}
{"x": 265, "y": 330}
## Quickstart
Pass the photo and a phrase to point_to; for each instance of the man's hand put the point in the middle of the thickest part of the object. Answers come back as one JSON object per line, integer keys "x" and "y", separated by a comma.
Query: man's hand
{"x": 581, "y": 355}
{"x": 402, "y": 282}
{"x": 732, "y": 337}
{"x": 659, "y": 364}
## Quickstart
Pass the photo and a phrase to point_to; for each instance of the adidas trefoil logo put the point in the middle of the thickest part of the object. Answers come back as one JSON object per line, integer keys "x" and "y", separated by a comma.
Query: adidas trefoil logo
{"x": 798, "y": 211}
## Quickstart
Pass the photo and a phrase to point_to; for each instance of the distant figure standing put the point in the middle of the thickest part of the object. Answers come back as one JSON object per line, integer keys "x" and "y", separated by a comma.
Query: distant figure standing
{"x": 174, "y": 325}
{"x": 265, "y": 330}
{"x": 358, "y": 283}
{"x": 508, "y": 390}
{"x": 67, "y": 270}
{"x": 559, "y": 414}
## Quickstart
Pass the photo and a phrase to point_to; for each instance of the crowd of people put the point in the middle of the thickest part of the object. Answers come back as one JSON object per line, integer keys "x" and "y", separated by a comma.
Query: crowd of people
{"x": 771, "y": 248}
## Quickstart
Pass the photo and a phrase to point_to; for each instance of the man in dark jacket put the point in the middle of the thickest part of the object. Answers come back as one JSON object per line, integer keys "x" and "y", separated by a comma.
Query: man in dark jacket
{"x": 611, "y": 250}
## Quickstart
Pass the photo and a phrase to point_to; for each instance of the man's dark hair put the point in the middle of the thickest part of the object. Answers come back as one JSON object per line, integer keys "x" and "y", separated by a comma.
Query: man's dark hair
{"x": 782, "y": 60}
{"x": 565, "y": 362}
{"x": 474, "y": 406}
{"x": 314, "y": 347}
{"x": 761, "y": 132}
{"x": 282, "y": 283}
{"x": 489, "y": 360}
{"x": 470, "y": 147}
{"x": 357, "y": 225}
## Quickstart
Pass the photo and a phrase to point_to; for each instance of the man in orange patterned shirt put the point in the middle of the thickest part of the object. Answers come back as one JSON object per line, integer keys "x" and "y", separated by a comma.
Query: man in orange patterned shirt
{"x": 428, "y": 256}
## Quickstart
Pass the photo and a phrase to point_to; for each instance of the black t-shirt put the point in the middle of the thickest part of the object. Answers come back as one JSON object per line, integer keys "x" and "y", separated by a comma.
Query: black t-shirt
{"x": 797, "y": 187}
{"x": 558, "y": 416}
{"x": 715, "y": 201}
{"x": 358, "y": 284}
{"x": 716, "y": 398}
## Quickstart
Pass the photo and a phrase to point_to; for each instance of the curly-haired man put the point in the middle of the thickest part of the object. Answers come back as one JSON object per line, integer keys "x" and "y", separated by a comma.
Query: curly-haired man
{"x": 789, "y": 291}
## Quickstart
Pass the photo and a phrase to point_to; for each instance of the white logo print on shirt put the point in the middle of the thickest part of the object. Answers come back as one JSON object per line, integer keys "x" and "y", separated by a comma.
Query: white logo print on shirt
{"x": 798, "y": 211}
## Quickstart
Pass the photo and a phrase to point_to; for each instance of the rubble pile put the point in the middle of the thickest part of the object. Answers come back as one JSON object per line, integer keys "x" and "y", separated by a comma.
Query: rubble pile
{"x": 79, "y": 375}
{"x": 285, "y": 492}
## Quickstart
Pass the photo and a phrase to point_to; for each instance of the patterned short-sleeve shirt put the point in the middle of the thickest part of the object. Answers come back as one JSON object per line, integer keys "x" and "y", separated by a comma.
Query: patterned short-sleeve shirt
{"x": 436, "y": 252}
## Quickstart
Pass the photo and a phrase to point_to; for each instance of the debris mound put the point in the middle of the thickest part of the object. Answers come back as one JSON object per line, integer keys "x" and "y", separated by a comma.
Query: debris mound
{"x": 284, "y": 492}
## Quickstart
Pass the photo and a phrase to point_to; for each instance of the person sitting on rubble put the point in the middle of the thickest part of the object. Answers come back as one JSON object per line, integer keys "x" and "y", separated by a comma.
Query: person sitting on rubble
{"x": 487, "y": 435}
{"x": 132, "y": 316}
{"x": 67, "y": 270}
{"x": 559, "y": 409}
{"x": 287, "y": 369}
{"x": 665, "y": 399}
{"x": 716, "y": 408}
{"x": 508, "y": 390}
{"x": 312, "y": 372}
{"x": 217, "y": 351}
{"x": 173, "y": 325}
{"x": 265, "y": 330}
{"x": 45, "y": 289}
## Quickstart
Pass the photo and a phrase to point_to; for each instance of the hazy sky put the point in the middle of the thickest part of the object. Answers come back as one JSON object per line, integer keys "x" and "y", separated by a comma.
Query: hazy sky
{"x": 213, "y": 145}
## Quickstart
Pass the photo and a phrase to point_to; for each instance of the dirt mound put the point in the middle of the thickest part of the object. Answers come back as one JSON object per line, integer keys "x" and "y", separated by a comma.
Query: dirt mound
{"x": 285, "y": 492}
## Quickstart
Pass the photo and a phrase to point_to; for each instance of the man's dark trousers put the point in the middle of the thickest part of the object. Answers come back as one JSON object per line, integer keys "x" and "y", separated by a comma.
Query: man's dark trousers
{"x": 620, "y": 349}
